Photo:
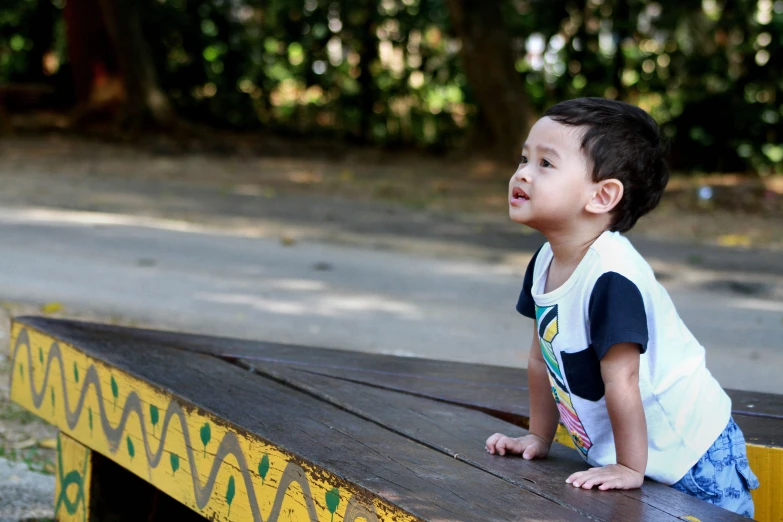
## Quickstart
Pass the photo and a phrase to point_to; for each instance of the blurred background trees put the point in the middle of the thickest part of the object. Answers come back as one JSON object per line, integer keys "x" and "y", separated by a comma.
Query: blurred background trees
{"x": 436, "y": 74}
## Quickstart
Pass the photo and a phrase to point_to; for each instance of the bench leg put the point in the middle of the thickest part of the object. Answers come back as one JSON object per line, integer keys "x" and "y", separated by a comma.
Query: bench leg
{"x": 73, "y": 480}
{"x": 90, "y": 487}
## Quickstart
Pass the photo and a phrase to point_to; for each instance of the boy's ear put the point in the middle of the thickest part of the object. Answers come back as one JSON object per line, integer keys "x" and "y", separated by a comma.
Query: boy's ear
{"x": 606, "y": 196}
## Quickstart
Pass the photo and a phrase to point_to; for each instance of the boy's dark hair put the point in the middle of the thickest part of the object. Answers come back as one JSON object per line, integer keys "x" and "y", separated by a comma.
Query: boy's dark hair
{"x": 622, "y": 142}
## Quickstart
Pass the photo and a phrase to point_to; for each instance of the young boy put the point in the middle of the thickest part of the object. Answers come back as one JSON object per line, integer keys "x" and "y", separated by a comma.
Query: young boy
{"x": 610, "y": 356}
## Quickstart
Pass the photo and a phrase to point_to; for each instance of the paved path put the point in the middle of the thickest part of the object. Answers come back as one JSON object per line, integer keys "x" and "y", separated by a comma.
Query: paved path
{"x": 24, "y": 494}
{"x": 342, "y": 296}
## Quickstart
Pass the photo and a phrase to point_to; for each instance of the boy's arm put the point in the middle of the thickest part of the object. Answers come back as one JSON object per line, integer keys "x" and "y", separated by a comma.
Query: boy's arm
{"x": 620, "y": 373}
{"x": 544, "y": 414}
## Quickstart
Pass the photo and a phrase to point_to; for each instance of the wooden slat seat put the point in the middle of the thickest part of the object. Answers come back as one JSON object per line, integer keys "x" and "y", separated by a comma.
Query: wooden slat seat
{"x": 261, "y": 430}
{"x": 502, "y": 392}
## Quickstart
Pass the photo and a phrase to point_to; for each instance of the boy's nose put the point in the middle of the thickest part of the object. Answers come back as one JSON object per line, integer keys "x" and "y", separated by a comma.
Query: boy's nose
{"x": 522, "y": 174}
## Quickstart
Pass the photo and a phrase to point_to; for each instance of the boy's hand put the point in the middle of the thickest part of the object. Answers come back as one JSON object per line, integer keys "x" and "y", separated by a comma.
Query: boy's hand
{"x": 530, "y": 446}
{"x": 613, "y": 476}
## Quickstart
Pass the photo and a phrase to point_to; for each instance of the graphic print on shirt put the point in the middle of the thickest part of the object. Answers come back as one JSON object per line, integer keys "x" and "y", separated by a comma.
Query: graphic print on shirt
{"x": 546, "y": 319}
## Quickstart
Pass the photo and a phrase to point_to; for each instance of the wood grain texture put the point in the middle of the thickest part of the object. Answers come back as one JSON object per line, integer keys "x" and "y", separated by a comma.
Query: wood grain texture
{"x": 378, "y": 474}
{"x": 463, "y": 383}
{"x": 500, "y": 391}
{"x": 460, "y": 433}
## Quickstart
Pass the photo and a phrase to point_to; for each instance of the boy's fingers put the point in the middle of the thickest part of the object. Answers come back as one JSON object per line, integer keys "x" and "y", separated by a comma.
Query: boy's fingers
{"x": 592, "y": 481}
{"x": 501, "y": 447}
{"x": 492, "y": 441}
{"x": 506, "y": 445}
{"x": 610, "y": 484}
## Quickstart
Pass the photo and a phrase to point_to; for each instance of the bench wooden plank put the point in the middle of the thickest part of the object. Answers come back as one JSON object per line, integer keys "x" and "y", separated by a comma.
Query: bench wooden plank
{"x": 510, "y": 402}
{"x": 209, "y": 413}
{"x": 761, "y": 426}
{"x": 756, "y": 404}
{"x": 423, "y": 376}
{"x": 460, "y": 433}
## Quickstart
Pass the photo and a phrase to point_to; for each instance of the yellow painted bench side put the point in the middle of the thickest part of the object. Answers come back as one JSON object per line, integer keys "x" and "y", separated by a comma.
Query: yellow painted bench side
{"x": 186, "y": 453}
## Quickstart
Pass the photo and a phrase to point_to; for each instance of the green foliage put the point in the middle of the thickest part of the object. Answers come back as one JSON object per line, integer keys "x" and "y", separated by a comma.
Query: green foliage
{"x": 389, "y": 72}
{"x": 707, "y": 71}
{"x": 16, "y": 22}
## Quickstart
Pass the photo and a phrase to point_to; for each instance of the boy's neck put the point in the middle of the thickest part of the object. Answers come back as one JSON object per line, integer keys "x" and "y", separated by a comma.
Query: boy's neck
{"x": 570, "y": 246}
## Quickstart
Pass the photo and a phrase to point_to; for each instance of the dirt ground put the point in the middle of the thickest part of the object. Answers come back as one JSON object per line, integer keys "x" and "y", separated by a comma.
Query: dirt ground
{"x": 719, "y": 209}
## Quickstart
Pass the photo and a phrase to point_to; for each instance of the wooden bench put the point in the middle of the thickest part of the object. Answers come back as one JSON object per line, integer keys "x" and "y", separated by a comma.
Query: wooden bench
{"x": 152, "y": 421}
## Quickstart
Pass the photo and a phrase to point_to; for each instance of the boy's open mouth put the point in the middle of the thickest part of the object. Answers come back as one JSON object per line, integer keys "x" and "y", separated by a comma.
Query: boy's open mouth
{"x": 518, "y": 193}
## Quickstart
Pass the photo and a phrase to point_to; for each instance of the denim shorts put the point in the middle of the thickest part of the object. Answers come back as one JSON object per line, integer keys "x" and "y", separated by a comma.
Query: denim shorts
{"x": 722, "y": 476}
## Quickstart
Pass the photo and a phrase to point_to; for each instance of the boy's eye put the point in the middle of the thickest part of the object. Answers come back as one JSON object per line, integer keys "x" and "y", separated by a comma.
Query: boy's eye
{"x": 523, "y": 160}
{"x": 545, "y": 163}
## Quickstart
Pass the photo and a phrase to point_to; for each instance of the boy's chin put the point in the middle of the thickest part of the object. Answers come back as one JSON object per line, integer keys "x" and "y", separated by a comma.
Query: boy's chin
{"x": 516, "y": 218}
{"x": 526, "y": 221}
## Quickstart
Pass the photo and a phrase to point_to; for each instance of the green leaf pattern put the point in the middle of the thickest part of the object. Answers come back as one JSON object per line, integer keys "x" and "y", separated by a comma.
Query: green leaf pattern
{"x": 332, "y": 500}
{"x": 131, "y": 450}
{"x": 174, "y": 463}
{"x": 206, "y": 435}
{"x": 332, "y": 497}
{"x": 230, "y": 493}
{"x": 154, "y": 416}
{"x": 115, "y": 390}
{"x": 263, "y": 467}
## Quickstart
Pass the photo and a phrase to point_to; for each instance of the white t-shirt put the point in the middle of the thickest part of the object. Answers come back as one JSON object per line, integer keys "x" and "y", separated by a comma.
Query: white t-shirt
{"x": 613, "y": 297}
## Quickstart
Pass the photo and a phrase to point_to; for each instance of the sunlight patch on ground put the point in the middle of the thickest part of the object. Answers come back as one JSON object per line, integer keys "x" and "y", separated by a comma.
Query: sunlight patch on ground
{"x": 297, "y": 285}
{"x": 325, "y": 306}
{"x": 756, "y": 304}
{"x": 73, "y": 217}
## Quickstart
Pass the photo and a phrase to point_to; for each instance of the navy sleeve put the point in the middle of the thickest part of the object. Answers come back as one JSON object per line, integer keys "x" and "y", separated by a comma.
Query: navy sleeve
{"x": 525, "y": 305}
{"x": 617, "y": 314}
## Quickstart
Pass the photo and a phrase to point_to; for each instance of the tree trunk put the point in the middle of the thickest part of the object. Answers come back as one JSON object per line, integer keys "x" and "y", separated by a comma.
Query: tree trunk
{"x": 489, "y": 65}
{"x": 368, "y": 94}
{"x": 623, "y": 27}
{"x": 89, "y": 49}
{"x": 145, "y": 102}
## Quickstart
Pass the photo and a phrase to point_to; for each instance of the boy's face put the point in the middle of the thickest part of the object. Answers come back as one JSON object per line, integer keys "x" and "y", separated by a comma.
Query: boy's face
{"x": 552, "y": 185}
